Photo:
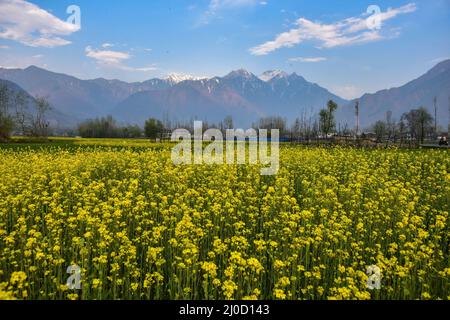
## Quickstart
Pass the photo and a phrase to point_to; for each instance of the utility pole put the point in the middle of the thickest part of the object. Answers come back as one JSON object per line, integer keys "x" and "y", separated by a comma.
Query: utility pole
{"x": 357, "y": 118}
{"x": 388, "y": 116}
{"x": 435, "y": 115}
{"x": 448, "y": 125}
{"x": 389, "y": 124}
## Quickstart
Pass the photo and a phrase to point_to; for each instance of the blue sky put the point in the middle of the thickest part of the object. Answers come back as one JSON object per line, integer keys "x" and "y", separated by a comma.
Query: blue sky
{"x": 336, "y": 44}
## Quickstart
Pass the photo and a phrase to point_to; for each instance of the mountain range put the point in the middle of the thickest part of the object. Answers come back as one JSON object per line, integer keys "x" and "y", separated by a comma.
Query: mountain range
{"x": 54, "y": 115}
{"x": 241, "y": 94}
{"x": 419, "y": 92}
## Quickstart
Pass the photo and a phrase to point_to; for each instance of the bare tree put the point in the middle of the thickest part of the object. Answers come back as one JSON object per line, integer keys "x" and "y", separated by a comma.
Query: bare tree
{"x": 6, "y": 119}
{"x": 228, "y": 122}
{"x": 270, "y": 123}
{"x": 40, "y": 127}
{"x": 23, "y": 118}
{"x": 380, "y": 129}
{"x": 418, "y": 122}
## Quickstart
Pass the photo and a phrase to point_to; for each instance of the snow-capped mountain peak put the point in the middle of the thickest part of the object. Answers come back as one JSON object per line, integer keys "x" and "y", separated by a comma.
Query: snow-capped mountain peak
{"x": 271, "y": 74}
{"x": 175, "y": 78}
{"x": 239, "y": 73}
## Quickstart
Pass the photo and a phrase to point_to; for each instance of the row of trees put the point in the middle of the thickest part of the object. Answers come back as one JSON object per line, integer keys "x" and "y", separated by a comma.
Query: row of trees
{"x": 413, "y": 126}
{"x": 108, "y": 127}
{"x": 15, "y": 115}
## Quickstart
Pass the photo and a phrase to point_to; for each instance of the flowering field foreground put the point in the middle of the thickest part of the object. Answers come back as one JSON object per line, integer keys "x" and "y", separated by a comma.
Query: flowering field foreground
{"x": 141, "y": 228}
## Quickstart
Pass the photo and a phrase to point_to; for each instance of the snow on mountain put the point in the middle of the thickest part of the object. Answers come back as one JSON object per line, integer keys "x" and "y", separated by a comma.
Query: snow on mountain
{"x": 271, "y": 74}
{"x": 175, "y": 78}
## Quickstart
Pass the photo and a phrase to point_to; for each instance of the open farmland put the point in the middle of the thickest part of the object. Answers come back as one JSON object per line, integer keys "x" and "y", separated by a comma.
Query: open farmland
{"x": 140, "y": 227}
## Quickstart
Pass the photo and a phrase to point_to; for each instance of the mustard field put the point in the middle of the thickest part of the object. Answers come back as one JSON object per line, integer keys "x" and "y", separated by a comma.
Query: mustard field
{"x": 140, "y": 227}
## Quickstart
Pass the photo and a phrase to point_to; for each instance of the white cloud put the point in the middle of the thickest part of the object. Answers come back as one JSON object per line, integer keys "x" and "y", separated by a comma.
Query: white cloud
{"x": 30, "y": 25}
{"x": 4, "y": 47}
{"x": 114, "y": 59}
{"x": 107, "y": 45}
{"x": 302, "y": 59}
{"x": 346, "y": 32}
{"x": 107, "y": 56}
